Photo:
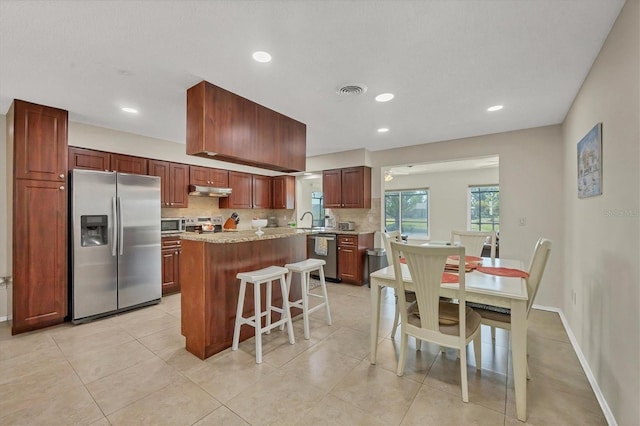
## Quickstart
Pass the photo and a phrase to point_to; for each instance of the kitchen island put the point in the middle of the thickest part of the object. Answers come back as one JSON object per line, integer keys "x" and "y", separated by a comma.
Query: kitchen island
{"x": 208, "y": 267}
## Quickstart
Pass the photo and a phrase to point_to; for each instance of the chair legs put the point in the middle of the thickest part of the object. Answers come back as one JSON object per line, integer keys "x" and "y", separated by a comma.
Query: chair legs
{"x": 402, "y": 357}
{"x": 396, "y": 319}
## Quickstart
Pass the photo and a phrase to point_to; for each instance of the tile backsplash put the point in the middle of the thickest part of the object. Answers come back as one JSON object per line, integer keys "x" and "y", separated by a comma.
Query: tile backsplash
{"x": 365, "y": 219}
{"x": 209, "y": 206}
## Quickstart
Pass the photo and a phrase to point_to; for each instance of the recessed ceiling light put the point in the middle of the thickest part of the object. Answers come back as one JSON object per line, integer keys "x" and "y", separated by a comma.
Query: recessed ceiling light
{"x": 384, "y": 97}
{"x": 130, "y": 110}
{"x": 261, "y": 56}
{"x": 383, "y": 129}
{"x": 495, "y": 108}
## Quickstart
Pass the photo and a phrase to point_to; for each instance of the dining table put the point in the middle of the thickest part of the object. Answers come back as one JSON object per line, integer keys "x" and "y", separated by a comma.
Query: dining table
{"x": 503, "y": 291}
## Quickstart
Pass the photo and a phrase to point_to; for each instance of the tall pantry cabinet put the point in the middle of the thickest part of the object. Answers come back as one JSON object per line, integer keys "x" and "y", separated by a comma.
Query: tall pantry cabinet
{"x": 37, "y": 153}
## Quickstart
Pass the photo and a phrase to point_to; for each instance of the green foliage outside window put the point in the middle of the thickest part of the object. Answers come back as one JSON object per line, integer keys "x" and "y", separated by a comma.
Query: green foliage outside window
{"x": 408, "y": 212}
{"x": 485, "y": 208}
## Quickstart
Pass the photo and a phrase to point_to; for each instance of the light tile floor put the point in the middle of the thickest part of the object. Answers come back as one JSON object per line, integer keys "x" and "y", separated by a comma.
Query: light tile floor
{"x": 133, "y": 369}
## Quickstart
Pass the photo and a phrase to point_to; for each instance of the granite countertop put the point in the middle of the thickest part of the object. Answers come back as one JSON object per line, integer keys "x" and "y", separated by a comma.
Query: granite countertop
{"x": 244, "y": 235}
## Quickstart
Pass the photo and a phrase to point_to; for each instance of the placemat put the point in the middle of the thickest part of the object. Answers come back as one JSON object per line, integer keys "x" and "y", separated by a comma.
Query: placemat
{"x": 503, "y": 272}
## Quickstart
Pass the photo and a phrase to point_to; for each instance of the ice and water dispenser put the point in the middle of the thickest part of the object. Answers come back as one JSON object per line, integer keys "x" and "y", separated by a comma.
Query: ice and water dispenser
{"x": 93, "y": 230}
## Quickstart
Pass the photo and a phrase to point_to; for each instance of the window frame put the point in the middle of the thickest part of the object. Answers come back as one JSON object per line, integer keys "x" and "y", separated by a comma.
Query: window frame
{"x": 407, "y": 190}
{"x": 495, "y": 226}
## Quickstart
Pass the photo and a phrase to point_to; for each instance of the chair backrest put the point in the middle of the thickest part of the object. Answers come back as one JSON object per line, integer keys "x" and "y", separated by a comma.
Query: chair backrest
{"x": 536, "y": 269}
{"x": 387, "y": 237}
{"x": 426, "y": 265}
{"x": 473, "y": 241}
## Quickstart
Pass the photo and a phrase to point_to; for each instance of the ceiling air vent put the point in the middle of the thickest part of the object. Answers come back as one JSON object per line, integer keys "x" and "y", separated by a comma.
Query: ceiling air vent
{"x": 352, "y": 89}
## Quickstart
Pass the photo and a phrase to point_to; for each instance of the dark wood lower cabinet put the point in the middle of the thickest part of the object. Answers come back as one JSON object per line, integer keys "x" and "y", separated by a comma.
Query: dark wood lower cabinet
{"x": 352, "y": 265}
{"x": 39, "y": 254}
{"x": 170, "y": 265}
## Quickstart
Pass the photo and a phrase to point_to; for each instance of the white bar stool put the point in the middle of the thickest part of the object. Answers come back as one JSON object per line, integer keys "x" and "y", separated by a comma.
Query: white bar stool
{"x": 305, "y": 268}
{"x": 257, "y": 278}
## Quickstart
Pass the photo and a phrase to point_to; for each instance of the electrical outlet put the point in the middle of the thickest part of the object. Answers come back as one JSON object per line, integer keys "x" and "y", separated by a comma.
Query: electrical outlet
{"x": 573, "y": 296}
{"x": 522, "y": 221}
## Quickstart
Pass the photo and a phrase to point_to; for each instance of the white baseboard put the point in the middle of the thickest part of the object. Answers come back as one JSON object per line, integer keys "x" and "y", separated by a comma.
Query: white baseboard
{"x": 611, "y": 420}
{"x": 4, "y": 318}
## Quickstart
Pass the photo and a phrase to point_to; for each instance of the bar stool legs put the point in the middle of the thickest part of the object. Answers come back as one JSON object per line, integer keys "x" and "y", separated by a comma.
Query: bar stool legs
{"x": 305, "y": 268}
{"x": 257, "y": 278}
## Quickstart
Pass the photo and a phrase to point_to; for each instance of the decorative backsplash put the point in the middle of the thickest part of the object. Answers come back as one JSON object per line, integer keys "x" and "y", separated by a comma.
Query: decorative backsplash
{"x": 365, "y": 219}
{"x": 209, "y": 206}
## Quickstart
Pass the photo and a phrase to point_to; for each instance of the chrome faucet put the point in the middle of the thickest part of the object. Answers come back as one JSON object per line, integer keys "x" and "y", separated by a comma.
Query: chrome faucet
{"x": 306, "y": 213}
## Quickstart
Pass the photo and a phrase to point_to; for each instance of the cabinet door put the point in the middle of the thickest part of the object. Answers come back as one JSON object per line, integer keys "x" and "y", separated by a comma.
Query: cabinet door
{"x": 219, "y": 178}
{"x": 261, "y": 192}
{"x": 161, "y": 169}
{"x": 39, "y": 142}
{"x": 241, "y": 195}
{"x": 356, "y": 187}
{"x": 283, "y": 192}
{"x": 331, "y": 188}
{"x": 206, "y": 176}
{"x": 170, "y": 271}
{"x": 81, "y": 158}
{"x": 348, "y": 263}
{"x": 39, "y": 254}
{"x": 128, "y": 164}
{"x": 178, "y": 191}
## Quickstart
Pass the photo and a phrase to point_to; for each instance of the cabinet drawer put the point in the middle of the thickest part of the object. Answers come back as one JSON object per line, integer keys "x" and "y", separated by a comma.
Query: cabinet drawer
{"x": 170, "y": 243}
{"x": 347, "y": 240}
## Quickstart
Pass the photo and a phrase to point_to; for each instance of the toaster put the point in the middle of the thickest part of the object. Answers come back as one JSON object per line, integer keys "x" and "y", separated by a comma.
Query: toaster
{"x": 346, "y": 226}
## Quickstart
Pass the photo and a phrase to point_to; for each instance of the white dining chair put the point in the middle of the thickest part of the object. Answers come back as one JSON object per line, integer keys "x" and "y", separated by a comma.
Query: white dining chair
{"x": 452, "y": 325}
{"x": 387, "y": 237}
{"x": 501, "y": 317}
{"x": 474, "y": 241}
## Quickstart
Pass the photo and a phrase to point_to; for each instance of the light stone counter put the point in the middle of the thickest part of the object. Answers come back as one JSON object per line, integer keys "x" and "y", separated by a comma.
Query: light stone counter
{"x": 244, "y": 235}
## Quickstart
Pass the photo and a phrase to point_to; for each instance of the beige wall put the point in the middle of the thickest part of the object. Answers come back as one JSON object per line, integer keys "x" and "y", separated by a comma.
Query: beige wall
{"x": 448, "y": 196}
{"x": 602, "y": 254}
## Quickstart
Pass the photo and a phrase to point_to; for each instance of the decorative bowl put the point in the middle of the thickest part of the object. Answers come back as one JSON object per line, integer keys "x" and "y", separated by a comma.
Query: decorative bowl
{"x": 259, "y": 223}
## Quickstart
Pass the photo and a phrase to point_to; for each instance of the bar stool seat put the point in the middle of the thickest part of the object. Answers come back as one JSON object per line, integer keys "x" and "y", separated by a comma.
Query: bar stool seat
{"x": 257, "y": 278}
{"x": 305, "y": 267}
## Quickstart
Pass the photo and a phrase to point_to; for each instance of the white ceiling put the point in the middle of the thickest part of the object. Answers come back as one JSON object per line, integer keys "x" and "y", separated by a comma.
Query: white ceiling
{"x": 446, "y": 62}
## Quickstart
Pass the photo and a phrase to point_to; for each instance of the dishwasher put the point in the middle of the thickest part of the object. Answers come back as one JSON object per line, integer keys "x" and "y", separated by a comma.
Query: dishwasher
{"x": 316, "y": 249}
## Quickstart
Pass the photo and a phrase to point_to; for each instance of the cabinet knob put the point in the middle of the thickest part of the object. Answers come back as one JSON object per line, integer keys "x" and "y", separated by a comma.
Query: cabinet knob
{"x": 62, "y": 188}
{"x": 61, "y": 175}
{"x": 176, "y": 252}
{"x": 171, "y": 204}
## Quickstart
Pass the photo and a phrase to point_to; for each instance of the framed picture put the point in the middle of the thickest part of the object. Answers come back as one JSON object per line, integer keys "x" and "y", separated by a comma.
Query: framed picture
{"x": 590, "y": 163}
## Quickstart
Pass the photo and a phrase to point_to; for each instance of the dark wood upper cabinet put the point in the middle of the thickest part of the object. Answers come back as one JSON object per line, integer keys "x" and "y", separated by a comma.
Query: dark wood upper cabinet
{"x": 128, "y": 164}
{"x": 283, "y": 192}
{"x": 241, "y": 196}
{"x": 261, "y": 186}
{"x": 173, "y": 182}
{"x": 81, "y": 158}
{"x": 248, "y": 192}
{"x": 39, "y": 142}
{"x": 206, "y": 176}
{"x": 231, "y": 128}
{"x": 347, "y": 188}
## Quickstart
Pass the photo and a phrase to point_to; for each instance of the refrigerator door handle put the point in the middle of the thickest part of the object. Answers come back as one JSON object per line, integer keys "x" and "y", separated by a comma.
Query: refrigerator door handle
{"x": 120, "y": 227}
{"x": 114, "y": 237}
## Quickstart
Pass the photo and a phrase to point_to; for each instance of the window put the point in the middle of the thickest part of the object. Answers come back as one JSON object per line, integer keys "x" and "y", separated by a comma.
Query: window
{"x": 407, "y": 212}
{"x": 484, "y": 214}
{"x": 317, "y": 208}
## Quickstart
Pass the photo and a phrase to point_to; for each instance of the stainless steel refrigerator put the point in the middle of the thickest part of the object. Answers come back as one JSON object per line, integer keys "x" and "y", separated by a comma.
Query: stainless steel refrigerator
{"x": 115, "y": 243}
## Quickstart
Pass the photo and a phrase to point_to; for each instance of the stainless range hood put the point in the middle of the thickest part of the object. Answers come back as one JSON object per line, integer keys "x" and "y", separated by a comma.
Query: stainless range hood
{"x": 209, "y": 191}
